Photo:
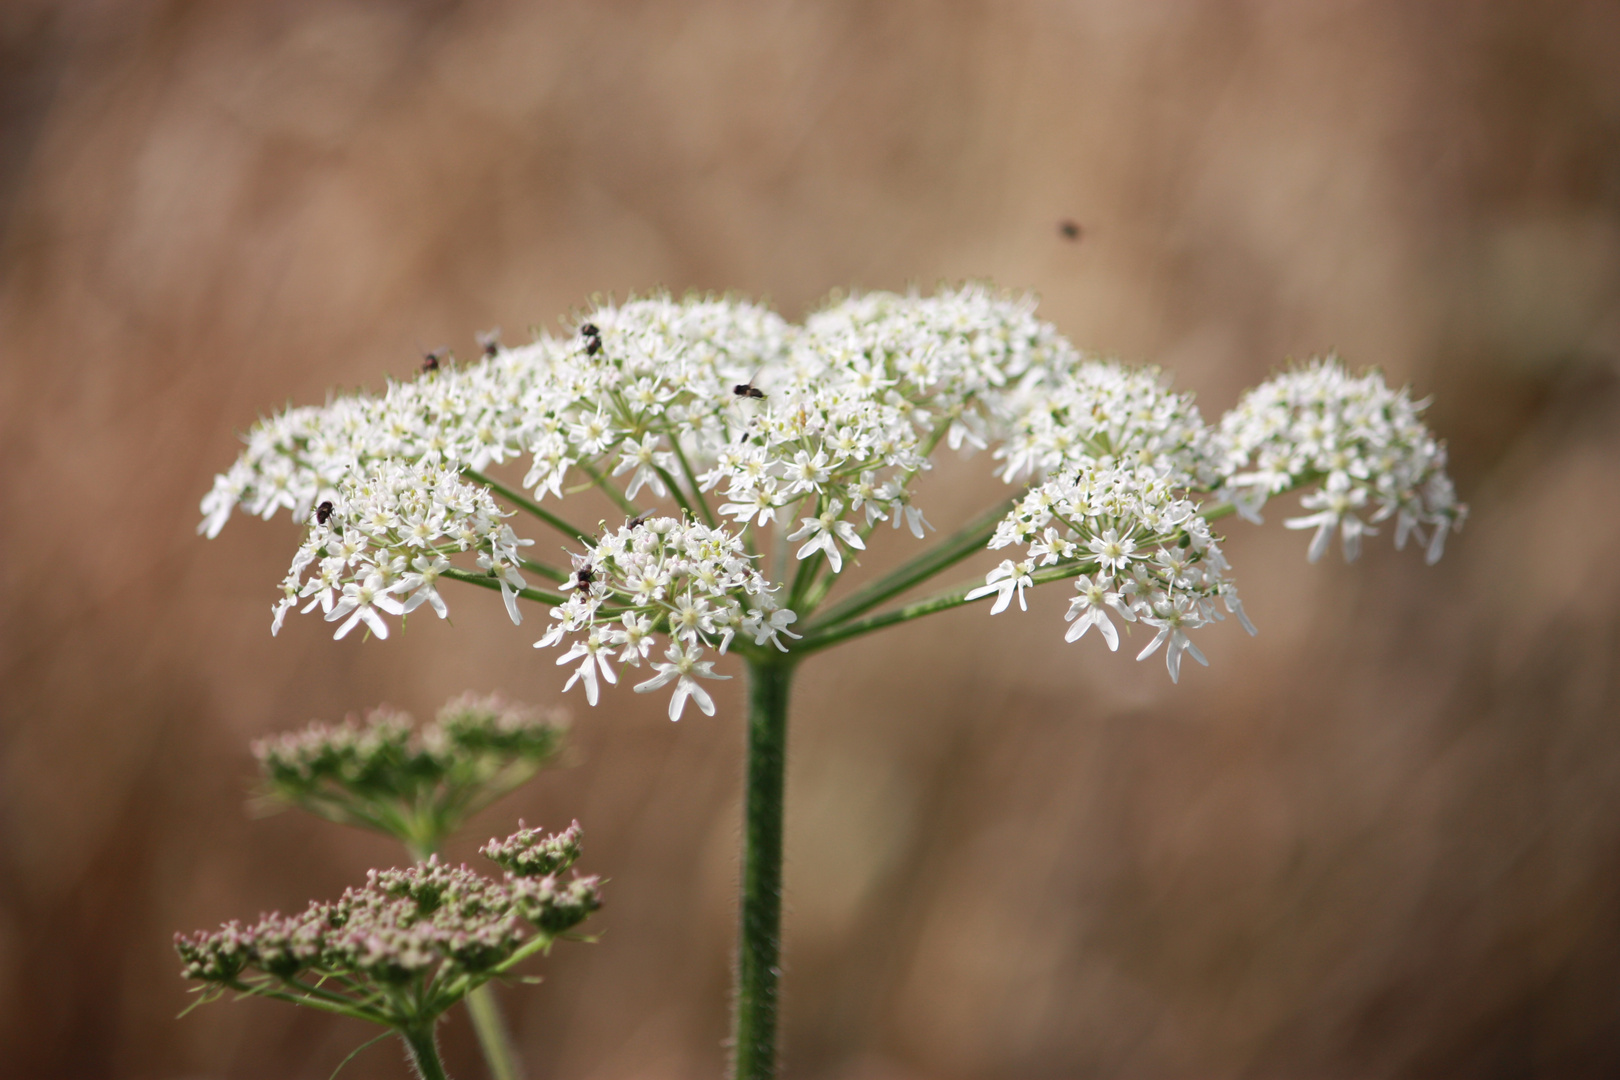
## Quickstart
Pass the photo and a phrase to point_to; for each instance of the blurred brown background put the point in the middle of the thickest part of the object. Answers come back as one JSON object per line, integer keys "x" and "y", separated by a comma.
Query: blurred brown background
{"x": 1382, "y": 839}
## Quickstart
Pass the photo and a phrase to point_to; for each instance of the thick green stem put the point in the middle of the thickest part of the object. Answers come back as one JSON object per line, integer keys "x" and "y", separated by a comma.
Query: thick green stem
{"x": 492, "y": 1037}
{"x": 760, "y": 932}
{"x": 424, "y": 1054}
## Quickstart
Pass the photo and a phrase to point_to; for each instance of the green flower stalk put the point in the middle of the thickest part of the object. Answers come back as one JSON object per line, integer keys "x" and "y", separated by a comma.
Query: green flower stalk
{"x": 753, "y": 461}
{"x": 406, "y": 946}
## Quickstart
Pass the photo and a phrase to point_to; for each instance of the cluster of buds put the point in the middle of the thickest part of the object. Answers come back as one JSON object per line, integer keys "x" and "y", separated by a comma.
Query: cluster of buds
{"x": 411, "y": 942}
{"x": 417, "y": 784}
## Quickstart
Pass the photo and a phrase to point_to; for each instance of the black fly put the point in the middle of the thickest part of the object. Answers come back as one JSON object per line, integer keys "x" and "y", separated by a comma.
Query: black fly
{"x": 490, "y": 341}
{"x": 323, "y": 512}
{"x": 1070, "y": 230}
{"x": 593, "y": 338}
{"x": 432, "y": 360}
{"x": 748, "y": 389}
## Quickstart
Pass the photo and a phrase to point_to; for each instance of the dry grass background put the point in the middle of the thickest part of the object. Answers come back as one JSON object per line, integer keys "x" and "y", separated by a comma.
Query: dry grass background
{"x": 1380, "y": 840}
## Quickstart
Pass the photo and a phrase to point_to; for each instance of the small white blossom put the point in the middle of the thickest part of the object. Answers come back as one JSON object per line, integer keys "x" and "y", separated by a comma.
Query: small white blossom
{"x": 1336, "y": 505}
{"x": 368, "y": 547}
{"x": 683, "y": 665}
{"x": 1090, "y": 608}
{"x": 647, "y": 460}
{"x": 594, "y": 648}
{"x": 363, "y": 599}
{"x": 1002, "y": 582}
{"x": 824, "y": 531}
{"x": 1174, "y": 619}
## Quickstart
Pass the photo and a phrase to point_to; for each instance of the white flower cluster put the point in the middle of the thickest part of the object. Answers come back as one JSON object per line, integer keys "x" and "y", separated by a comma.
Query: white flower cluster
{"x": 739, "y": 421}
{"x": 1100, "y": 412}
{"x": 844, "y": 410}
{"x": 695, "y": 584}
{"x": 871, "y": 387}
{"x": 1139, "y": 544}
{"x": 1360, "y": 442}
{"x": 383, "y": 540}
{"x": 651, "y": 364}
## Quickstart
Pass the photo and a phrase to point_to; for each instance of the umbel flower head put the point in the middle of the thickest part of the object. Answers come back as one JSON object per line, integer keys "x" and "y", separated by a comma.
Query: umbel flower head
{"x": 410, "y": 943}
{"x": 774, "y": 452}
{"x": 417, "y": 784}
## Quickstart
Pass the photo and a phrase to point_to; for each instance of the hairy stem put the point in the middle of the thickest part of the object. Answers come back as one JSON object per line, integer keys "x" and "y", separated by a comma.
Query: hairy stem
{"x": 760, "y": 933}
{"x": 423, "y": 1052}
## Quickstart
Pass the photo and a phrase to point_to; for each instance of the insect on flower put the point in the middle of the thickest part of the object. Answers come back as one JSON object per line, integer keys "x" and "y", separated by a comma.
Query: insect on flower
{"x": 748, "y": 389}
{"x": 323, "y": 512}
{"x": 432, "y": 360}
{"x": 489, "y": 341}
{"x": 593, "y": 338}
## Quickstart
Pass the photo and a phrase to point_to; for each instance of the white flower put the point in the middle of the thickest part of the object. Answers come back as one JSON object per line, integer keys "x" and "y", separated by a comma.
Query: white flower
{"x": 760, "y": 504}
{"x": 898, "y": 496}
{"x": 824, "y": 530}
{"x": 422, "y": 584}
{"x": 1365, "y": 440}
{"x": 635, "y": 637}
{"x": 363, "y": 598}
{"x": 682, "y": 667}
{"x": 1336, "y": 504}
{"x": 837, "y": 420}
{"x": 770, "y": 627}
{"x": 1173, "y": 622}
{"x": 646, "y": 459}
{"x": 1003, "y": 581}
{"x": 807, "y": 473}
{"x": 1112, "y": 551}
{"x": 1090, "y": 608}
{"x": 594, "y": 649}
